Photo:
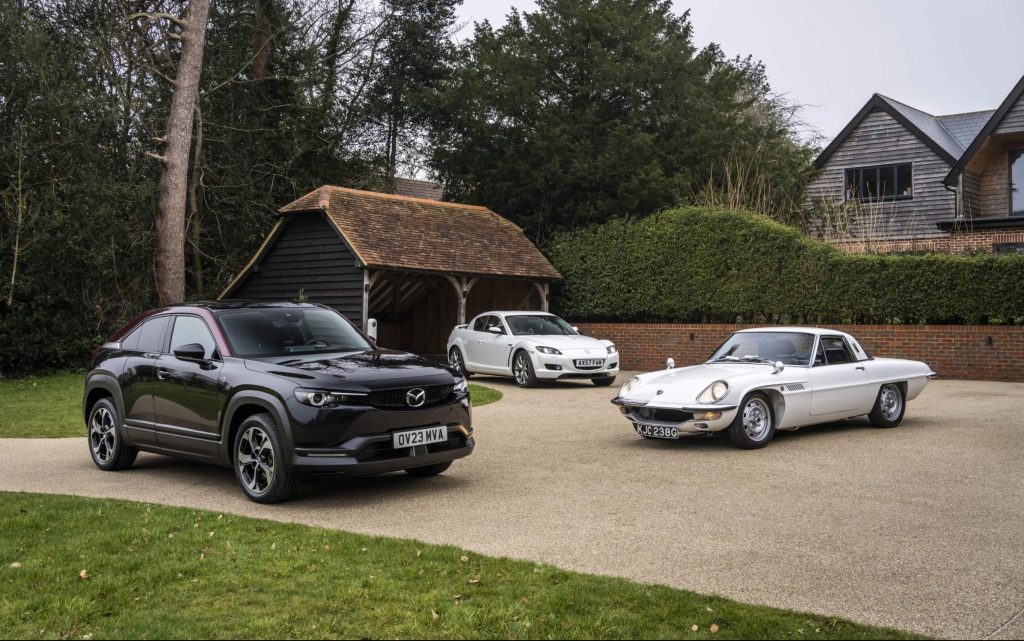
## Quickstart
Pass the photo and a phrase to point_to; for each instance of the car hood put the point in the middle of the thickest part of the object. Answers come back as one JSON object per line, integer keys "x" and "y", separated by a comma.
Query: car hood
{"x": 680, "y": 387}
{"x": 564, "y": 343}
{"x": 361, "y": 371}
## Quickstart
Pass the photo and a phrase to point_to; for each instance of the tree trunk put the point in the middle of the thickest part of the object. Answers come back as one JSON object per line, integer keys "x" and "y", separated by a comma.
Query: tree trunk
{"x": 260, "y": 42}
{"x": 195, "y": 225}
{"x": 170, "y": 221}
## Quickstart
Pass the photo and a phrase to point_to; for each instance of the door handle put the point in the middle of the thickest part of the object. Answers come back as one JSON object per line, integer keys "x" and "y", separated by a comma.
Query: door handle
{"x": 162, "y": 373}
{"x": 150, "y": 355}
{"x": 860, "y": 367}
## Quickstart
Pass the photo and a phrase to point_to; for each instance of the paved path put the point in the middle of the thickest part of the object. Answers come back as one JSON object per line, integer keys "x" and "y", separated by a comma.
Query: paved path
{"x": 921, "y": 527}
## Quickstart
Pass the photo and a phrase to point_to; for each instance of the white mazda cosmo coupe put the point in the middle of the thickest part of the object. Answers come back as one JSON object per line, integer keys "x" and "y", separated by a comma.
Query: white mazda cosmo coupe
{"x": 779, "y": 378}
{"x": 530, "y": 347}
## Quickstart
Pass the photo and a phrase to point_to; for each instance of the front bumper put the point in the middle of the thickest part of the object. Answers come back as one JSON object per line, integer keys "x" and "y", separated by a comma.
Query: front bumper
{"x": 374, "y": 454}
{"x": 695, "y": 419}
{"x": 551, "y": 367}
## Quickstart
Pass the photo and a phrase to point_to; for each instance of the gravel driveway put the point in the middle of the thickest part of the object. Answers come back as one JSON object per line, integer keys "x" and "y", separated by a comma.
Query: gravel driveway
{"x": 921, "y": 527}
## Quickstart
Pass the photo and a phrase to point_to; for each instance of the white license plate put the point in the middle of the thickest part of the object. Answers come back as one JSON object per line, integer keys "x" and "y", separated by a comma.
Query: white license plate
{"x": 591, "y": 362}
{"x": 656, "y": 431}
{"x": 426, "y": 436}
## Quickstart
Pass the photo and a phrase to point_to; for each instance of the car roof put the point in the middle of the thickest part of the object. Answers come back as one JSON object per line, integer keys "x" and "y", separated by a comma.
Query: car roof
{"x": 219, "y": 305}
{"x": 522, "y": 312}
{"x": 817, "y": 331}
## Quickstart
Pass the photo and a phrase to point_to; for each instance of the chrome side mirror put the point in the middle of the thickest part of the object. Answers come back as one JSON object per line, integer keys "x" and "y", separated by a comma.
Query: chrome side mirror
{"x": 779, "y": 366}
{"x": 670, "y": 363}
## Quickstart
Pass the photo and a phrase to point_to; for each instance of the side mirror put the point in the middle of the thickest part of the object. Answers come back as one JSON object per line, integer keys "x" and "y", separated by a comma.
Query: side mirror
{"x": 576, "y": 329}
{"x": 190, "y": 352}
{"x": 779, "y": 366}
{"x": 670, "y": 363}
{"x": 371, "y": 329}
{"x": 494, "y": 329}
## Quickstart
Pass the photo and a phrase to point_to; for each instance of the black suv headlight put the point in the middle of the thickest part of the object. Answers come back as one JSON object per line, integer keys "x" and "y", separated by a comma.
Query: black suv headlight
{"x": 461, "y": 385}
{"x": 325, "y": 398}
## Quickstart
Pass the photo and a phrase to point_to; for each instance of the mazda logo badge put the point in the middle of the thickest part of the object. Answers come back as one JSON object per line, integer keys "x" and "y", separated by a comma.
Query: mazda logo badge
{"x": 415, "y": 397}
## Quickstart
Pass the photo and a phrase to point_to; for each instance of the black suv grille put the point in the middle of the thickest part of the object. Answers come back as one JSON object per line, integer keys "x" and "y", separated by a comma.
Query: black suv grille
{"x": 396, "y": 398}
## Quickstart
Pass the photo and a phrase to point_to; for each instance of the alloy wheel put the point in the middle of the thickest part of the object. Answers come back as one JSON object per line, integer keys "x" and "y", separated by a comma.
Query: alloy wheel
{"x": 455, "y": 360}
{"x": 521, "y": 369}
{"x": 256, "y": 461}
{"x": 102, "y": 435}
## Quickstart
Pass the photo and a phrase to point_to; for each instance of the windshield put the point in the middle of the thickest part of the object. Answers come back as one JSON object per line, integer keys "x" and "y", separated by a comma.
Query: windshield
{"x": 792, "y": 348}
{"x": 289, "y": 331}
{"x": 538, "y": 325}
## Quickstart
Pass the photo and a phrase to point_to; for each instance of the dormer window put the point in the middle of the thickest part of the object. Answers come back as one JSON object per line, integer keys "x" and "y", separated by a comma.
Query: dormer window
{"x": 880, "y": 183}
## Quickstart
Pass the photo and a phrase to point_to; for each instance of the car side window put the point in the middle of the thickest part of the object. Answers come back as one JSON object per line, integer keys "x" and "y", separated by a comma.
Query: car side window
{"x": 836, "y": 350}
{"x": 819, "y": 356}
{"x": 189, "y": 330}
{"x": 151, "y": 340}
{"x": 130, "y": 342}
{"x": 480, "y": 324}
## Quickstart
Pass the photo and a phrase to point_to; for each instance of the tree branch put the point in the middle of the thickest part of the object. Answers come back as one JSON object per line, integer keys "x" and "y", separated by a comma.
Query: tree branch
{"x": 153, "y": 17}
{"x": 150, "y": 154}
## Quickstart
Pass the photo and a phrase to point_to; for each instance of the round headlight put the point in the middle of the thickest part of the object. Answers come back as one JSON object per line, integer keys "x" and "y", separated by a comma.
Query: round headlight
{"x": 630, "y": 385}
{"x": 714, "y": 392}
{"x": 612, "y": 349}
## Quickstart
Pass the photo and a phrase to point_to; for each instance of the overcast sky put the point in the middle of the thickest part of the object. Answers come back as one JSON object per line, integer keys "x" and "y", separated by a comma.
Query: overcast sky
{"x": 941, "y": 56}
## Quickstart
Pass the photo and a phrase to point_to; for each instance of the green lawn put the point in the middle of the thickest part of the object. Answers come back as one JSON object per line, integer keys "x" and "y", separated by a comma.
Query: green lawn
{"x": 71, "y": 567}
{"x": 51, "y": 406}
{"x": 44, "y": 406}
{"x": 483, "y": 395}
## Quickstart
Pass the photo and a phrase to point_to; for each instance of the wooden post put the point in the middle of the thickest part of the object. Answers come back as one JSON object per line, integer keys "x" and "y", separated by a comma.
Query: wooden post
{"x": 366, "y": 299}
{"x": 544, "y": 289}
{"x": 462, "y": 286}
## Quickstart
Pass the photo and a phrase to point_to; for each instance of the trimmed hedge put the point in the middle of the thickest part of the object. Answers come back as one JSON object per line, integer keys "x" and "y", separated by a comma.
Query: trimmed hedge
{"x": 703, "y": 265}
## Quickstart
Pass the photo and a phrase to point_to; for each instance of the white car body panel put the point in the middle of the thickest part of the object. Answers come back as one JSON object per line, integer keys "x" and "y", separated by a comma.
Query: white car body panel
{"x": 800, "y": 395}
{"x": 488, "y": 353}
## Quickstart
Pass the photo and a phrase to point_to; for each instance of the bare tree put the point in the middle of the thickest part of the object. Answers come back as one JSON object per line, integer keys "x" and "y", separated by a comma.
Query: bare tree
{"x": 170, "y": 221}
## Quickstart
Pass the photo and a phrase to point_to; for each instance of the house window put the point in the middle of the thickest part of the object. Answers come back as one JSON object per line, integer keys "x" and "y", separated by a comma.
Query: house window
{"x": 1017, "y": 183}
{"x": 882, "y": 182}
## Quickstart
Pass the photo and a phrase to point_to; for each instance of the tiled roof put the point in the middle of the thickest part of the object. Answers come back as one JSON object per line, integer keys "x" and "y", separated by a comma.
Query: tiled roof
{"x": 965, "y": 127}
{"x": 388, "y": 231}
{"x": 929, "y": 125}
{"x": 419, "y": 188}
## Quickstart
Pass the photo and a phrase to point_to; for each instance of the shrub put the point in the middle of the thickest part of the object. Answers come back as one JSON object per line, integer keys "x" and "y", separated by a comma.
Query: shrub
{"x": 706, "y": 265}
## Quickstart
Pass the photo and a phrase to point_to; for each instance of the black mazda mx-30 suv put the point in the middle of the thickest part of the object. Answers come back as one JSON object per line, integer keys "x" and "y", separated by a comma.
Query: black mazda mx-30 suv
{"x": 273, "y": 390}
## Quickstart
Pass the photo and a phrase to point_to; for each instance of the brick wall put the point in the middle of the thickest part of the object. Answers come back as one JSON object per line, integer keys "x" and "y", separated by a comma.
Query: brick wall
{"x": 954, "y": 351}
{"x": 956, "y": 243}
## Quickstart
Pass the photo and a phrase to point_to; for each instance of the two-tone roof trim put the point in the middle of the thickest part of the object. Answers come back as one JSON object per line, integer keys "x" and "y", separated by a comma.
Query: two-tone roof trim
{"x": 986, "y": 131}
{"x": 889, "y": 106}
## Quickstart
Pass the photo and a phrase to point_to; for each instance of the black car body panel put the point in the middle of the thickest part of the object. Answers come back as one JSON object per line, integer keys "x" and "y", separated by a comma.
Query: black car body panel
{"x": 190, "y": 407}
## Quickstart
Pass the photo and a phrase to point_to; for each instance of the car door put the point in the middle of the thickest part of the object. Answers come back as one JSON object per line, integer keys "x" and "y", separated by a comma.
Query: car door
{"x": 474, "y": 332}
{"x": 187, "y": 393}
{"x": 144, "y": 346}
{"x": 838, "y": 380}
{"x": 493, "y": 348}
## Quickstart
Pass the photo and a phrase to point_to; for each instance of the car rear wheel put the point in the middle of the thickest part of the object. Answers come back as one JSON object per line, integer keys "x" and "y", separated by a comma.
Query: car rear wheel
{"x": 603, "y": 382}
{"x": 522, "y": 370}
{"x": 261, "y": 463}
{"x": 430, "y": 470}
{"x": 457, "y": 362}
{"x": 754, "y": 425}
{"x": 108, "y": 449}
{"x": 889, "y": 406}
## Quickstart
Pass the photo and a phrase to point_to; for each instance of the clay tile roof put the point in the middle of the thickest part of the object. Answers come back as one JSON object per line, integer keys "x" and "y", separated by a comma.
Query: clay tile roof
{"x": 400, "y": 232}
{"x": 418, "y": 188}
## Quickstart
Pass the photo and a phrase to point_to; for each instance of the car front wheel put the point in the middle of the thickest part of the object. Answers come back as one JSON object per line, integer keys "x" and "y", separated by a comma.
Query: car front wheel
{"x": 889, "y": 406}
{"x": 108, "y": 449}
{"x": 457, "y": 362}
{"x": 754, "y": 425}
{"x": 522, "y": 370}
{"x": 261, "y": 464}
